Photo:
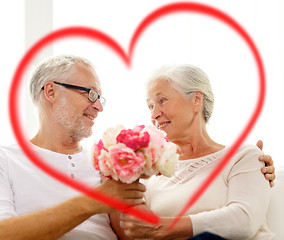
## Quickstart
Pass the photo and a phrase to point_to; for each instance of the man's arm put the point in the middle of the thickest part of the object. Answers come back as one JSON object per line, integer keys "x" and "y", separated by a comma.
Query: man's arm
{"x": 54, "y": 222}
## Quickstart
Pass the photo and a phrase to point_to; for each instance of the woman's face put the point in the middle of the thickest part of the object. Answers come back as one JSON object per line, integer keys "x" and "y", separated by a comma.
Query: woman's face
{"x": 170, "y": 110}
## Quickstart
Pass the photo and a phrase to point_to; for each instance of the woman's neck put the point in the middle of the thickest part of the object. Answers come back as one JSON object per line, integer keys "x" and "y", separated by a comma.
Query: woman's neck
{"x": 197, "y": 144}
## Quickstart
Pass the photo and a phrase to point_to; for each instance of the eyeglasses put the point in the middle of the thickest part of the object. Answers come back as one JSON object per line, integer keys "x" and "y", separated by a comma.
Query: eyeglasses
{"x": 93, "y": 95}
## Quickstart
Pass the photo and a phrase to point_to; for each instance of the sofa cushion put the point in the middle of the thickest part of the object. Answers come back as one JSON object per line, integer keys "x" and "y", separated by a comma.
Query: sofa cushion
{"x": 275, "y": 214}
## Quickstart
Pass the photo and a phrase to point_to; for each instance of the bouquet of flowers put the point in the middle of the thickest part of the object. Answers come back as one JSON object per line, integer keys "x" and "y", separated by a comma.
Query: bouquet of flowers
{"x": 127, "y": 154}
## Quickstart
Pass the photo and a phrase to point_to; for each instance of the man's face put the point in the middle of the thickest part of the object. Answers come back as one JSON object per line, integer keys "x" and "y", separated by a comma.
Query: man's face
{"x": 73, "y": 111}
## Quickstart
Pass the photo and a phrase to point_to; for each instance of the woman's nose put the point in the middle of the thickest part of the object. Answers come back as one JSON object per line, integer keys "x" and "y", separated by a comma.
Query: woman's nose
{"x": 156, "y": 114}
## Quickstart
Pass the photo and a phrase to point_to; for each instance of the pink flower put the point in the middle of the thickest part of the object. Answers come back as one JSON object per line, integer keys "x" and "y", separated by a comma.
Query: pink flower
{"x": 138, "y": 128}
{"x": 158, "y": 136}
{"x": 97, "y": 148}
{"x": 105, "y": 165}
{"x": 126, "y": 155}
{"x": 151, "y": 156}
{"x": 155, "y": 152}
{"x": 134, "y": 139}
{"x": 126, "y": 163}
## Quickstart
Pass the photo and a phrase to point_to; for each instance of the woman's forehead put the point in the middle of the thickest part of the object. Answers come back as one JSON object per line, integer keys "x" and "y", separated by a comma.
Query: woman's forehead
{"x": 160, "y": 87}
{"x": 159, "y": 83}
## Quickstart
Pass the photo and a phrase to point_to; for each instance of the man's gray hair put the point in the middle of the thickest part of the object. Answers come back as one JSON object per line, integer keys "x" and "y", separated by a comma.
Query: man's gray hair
{"x": 186, "y": 79}
{"x": 58, "y": 68}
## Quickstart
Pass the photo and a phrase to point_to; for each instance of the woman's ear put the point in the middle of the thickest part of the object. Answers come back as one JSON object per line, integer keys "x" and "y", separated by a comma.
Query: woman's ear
{"x": 49, "y": 92}
{"x": 197, "y": 101}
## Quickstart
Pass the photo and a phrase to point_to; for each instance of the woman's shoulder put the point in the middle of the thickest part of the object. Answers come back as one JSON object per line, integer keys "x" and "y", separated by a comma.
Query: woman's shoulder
{"x": 248, "y": 150}
{"x": 246, "y": 156}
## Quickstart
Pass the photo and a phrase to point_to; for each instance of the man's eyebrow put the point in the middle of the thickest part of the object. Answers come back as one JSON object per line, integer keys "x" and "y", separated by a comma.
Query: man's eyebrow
{"x": 97, "y": 88}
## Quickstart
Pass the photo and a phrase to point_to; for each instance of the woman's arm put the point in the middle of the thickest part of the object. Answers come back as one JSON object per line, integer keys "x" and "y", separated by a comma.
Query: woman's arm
{"x": 248, "y": 199}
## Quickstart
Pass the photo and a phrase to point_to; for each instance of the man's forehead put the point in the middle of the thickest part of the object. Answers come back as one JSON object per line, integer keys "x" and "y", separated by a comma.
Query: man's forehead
{"x": 85, "y": 76}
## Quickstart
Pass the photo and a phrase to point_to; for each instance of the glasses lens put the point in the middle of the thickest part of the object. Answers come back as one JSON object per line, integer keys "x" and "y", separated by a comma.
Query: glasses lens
{"x": 93, "y": 96}
{"x": 103, "y": 101}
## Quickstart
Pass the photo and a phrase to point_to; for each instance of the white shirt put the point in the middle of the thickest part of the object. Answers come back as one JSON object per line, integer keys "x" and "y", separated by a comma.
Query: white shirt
{"x": 25, "y": 189}
{"x": 235, "y": 204}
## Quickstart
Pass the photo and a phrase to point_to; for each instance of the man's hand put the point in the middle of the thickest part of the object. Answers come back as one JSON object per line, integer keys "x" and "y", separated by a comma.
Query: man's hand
{"x": 269, "y": 169}
{"x": 131, "y": 194}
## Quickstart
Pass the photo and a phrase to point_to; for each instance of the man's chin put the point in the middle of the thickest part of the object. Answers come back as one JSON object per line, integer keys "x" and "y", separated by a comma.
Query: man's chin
{"x": 88, "y": 133}
{"x": 83, "y": 134}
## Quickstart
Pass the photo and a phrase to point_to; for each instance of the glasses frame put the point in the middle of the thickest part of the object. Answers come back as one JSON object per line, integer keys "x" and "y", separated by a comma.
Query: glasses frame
{"x": 88, "y": 90}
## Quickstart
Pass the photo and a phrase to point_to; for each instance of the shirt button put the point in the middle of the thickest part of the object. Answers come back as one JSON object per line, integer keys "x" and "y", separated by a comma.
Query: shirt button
{"x": 72, "y": 164}
{"x": 69, "y": 157}
{"x": 72, "y": 175}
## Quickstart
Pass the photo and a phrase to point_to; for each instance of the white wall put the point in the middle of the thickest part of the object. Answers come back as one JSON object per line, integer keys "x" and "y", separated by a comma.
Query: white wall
{"x": 11, "y": 49}
{"x": 192, "y": 38}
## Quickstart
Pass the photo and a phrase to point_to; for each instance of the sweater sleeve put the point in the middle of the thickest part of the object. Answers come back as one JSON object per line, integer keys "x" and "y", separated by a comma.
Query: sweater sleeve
{"x": 248, "y": 199}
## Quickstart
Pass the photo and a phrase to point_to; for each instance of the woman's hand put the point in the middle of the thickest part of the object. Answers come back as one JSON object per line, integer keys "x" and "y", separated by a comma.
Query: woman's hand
{"x": 135, "y": 228}
{"x": 269, "y": 169}
{"x": 138, "y": 229}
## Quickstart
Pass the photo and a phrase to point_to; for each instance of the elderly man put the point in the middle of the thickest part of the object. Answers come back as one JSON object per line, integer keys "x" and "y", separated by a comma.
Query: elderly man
{"x": 33, "y": 205}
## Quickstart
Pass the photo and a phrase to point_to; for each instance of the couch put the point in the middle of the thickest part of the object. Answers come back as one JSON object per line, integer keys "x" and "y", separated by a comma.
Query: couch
{"x": 275, "y": 214}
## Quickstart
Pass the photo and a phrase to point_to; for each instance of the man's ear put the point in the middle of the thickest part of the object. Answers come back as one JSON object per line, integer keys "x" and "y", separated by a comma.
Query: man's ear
{"x": 197, "y": 101}
{"x": 50, "y": 92}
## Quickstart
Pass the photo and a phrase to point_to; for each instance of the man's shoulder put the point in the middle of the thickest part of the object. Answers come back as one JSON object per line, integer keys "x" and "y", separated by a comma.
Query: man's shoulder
{"x": 8, "y": 153}
{"x": 14, "y": 148}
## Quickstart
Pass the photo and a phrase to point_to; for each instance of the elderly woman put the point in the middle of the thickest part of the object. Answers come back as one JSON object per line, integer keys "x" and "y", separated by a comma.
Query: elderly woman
{"x": 234, "y": 206}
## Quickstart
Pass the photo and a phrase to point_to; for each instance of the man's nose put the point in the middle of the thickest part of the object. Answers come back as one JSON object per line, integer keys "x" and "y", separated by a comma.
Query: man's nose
{"x": 97, "y": 105}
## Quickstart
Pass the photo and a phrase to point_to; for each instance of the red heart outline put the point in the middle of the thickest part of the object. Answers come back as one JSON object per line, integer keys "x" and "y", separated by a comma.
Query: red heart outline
{"x": 126, "y": 57}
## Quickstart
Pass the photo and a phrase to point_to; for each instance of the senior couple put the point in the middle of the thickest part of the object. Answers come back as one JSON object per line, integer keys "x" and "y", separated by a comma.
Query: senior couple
{"x": 67, "y": 92}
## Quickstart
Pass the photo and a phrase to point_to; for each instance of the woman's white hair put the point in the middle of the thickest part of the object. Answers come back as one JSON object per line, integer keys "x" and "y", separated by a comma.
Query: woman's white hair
{"x": 58, "y": 68}
{"x": 187, "y": 79}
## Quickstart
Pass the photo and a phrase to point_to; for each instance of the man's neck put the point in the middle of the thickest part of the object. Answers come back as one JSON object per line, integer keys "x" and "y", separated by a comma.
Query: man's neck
{"x": 64, "y": 146}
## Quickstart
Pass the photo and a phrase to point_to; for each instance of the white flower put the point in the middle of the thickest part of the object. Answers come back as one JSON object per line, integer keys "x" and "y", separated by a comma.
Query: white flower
{"x": 168, "y": 161}
{"x": 109, "y": 136}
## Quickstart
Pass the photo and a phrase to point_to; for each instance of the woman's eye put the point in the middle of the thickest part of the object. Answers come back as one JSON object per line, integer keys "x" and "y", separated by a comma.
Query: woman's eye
{"x": 163, "y": 100}
{"x": 150, "y": 107}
